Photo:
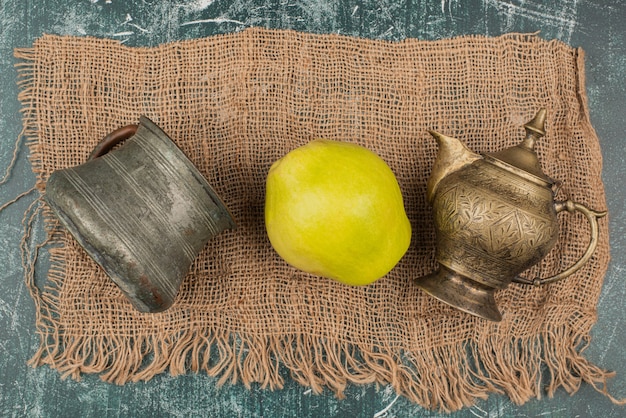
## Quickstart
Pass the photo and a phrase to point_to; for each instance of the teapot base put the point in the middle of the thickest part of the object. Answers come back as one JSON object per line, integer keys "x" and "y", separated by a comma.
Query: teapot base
{"x": 461, "y": 292}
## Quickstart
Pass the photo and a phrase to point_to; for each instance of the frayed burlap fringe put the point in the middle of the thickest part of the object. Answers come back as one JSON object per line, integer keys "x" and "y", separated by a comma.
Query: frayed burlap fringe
{"x": 236, "y": 103}
{"x": 447, "y": 378}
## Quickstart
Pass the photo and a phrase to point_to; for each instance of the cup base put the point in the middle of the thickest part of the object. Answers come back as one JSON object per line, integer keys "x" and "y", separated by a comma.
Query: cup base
{"x": 461, "y": 292}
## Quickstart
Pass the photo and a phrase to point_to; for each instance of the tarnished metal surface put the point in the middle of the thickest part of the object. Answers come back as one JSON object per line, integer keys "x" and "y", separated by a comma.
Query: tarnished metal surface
{"x": 142, "y": 211}
{"x": 495, "y": 216}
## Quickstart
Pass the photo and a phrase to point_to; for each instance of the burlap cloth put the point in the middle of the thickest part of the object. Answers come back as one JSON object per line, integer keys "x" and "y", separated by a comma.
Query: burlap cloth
{"x": 238, "y": 102}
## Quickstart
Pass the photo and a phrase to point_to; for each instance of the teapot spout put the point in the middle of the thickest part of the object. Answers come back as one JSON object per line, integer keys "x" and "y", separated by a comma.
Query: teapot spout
{"x": 452, "y": 156}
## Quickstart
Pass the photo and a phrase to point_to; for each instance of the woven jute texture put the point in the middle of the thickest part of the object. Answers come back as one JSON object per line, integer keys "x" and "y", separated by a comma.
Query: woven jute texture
{"x": 236, "y": 103}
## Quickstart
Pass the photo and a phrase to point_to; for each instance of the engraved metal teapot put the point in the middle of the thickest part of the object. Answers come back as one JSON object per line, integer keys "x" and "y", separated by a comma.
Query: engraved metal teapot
{"x": 495, "y": 216}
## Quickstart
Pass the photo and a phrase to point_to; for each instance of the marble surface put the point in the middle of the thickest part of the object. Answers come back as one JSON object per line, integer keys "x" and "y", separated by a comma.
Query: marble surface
{"x": 599, "y": 27}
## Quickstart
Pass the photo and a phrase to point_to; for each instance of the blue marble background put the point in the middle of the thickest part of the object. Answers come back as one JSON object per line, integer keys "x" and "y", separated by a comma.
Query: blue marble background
{"x": 597, "y": 26}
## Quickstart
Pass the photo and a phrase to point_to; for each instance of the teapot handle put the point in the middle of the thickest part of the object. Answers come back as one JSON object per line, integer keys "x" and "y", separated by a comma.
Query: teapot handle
{"x": 592, "y": 216}
{"x": 108, "y": 142}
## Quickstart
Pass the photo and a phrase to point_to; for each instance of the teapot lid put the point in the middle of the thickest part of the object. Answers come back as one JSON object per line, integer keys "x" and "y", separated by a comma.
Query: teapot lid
{"x": 522, "y": 158}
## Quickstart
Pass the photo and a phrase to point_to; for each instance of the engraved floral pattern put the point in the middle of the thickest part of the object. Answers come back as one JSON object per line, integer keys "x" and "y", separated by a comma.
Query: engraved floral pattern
{"x": 482, "y": 224}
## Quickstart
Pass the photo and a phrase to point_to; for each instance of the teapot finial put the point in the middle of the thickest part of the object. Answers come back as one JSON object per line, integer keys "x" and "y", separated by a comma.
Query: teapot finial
{"x": 535, "y": 129}
{"x": 523, "y": 158}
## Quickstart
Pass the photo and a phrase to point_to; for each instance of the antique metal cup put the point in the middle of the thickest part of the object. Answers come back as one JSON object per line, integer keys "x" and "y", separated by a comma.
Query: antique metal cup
{"x": 142, "y": 211}
{"x": 495, "y": 216}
